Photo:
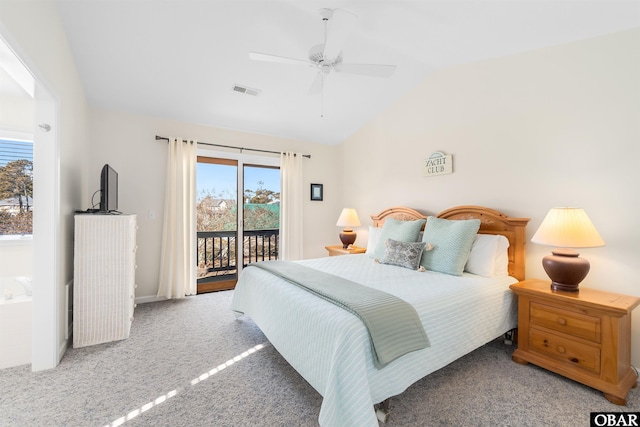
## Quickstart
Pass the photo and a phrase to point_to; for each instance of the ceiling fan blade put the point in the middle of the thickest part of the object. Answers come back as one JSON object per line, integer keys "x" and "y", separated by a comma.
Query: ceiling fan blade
{"x": 316, "y": 86}
{"x": 374, "y": 70}
{"x": 278, "y": 59}
{"x": 339, "y": 28}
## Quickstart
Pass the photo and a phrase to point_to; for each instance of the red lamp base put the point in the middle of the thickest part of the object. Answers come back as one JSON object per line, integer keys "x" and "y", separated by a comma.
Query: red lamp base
{"x": 565, "y": 269}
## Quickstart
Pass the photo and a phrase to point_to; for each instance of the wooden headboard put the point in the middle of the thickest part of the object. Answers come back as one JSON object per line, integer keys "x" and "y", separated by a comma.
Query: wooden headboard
{"x": 491, "y": 222}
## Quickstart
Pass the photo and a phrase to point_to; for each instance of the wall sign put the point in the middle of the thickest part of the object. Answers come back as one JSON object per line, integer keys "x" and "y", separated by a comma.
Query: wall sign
{"x": 438, "y": 163}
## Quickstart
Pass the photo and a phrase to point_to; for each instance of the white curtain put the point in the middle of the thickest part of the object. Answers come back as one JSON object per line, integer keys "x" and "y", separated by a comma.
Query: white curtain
{"x": 291, "y": 196}
{"x": 178, "y": 256}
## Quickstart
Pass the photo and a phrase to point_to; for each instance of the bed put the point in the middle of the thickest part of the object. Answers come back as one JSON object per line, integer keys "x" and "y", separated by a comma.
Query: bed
{"x": 331, "y": 348}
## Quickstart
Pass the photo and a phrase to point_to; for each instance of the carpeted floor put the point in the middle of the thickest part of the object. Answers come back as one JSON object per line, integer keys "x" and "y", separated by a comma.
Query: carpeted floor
{"x": 191, "y": 363}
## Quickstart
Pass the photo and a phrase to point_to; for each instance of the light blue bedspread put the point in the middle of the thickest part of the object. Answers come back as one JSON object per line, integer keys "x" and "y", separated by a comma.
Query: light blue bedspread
{"x": 331, "y": 347}
{"x": 393, "y": 324}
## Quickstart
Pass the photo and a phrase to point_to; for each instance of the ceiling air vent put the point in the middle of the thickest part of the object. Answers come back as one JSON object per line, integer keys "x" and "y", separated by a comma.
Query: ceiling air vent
{"x": 246, "y": 90}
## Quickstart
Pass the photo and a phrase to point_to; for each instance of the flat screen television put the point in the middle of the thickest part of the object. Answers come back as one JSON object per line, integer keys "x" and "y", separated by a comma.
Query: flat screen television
{"x": 108, "y": 189}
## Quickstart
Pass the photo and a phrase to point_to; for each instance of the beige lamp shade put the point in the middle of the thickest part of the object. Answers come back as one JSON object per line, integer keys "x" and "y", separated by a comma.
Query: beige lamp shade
{"x": 566, "y": 228}
{"x": 348, "y": 218}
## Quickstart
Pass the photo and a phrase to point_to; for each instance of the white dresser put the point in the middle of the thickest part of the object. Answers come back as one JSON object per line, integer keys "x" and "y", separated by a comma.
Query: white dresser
{"x": 104, "y": 278}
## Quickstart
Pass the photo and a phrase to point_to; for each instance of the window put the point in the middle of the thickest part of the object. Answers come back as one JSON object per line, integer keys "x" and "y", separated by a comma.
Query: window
{"x": 16, "y": 187}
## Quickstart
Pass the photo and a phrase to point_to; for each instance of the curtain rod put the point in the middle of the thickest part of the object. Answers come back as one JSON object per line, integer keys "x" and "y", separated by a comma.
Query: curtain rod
{"x": 308, "y": 156}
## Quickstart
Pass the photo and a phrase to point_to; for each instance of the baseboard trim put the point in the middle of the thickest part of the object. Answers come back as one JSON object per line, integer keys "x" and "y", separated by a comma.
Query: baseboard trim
{"x": 149, "y": 298}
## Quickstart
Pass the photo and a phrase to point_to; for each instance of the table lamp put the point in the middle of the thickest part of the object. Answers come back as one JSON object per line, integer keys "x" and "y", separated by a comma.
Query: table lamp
{"x": 348, "y": 219}
{"x": 566, "y": 228}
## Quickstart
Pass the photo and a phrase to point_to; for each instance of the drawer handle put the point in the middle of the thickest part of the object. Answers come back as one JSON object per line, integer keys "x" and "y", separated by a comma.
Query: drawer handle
{"x": 574, "y": 360}
{"x": 561, "y": 321}
{"x": 561, "y": 349}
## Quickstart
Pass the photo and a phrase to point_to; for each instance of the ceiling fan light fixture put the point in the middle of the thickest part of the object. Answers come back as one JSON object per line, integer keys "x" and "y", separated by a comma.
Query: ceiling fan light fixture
{"x": 316, "y": 56}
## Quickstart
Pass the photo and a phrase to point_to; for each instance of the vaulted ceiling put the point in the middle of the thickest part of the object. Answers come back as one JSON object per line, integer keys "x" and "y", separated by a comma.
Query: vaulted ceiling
{"x": 180, "y": 59}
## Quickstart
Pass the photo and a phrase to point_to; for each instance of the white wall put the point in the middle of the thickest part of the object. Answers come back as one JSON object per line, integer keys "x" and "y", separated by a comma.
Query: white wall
{"x": 16, "y": 258}
{"x": 33, "y": 29}
{"x": 17, "y": 113}
{"x": 553, "y": 127}
{"x": 127, "y": 142}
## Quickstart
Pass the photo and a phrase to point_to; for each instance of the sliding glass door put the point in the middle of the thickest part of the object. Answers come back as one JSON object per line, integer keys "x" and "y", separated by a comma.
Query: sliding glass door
{"x": 230, "y": 238}
{"x": 261, "y": 213}
{"x": 217, "y": 223}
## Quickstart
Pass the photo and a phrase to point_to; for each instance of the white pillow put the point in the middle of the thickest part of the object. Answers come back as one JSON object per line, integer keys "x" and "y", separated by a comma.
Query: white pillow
{"x": 482, "y": 258}
{"x": 374, "y": 238}
{"x": 502, "y": 257}
{"x": 489, "y": 256}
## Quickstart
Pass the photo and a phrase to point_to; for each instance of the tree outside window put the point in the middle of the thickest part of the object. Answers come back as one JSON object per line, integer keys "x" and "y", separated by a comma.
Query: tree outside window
{"x": 16, "y": 187}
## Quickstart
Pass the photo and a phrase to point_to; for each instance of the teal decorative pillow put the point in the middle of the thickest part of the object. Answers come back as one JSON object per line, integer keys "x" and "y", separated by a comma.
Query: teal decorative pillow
{"x": 403, "y": 254}
{"x": 402, "y": 231}
{"x": 451, "y": 240}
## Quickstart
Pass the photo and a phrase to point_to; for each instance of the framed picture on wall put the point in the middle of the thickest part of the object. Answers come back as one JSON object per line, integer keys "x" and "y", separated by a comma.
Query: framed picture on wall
{"x": 316, "y": 192}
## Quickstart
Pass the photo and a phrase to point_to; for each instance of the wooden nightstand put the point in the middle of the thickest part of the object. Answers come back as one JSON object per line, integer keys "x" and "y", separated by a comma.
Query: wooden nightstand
{"x": 339, "y": 250}
{"x": 585, "y": 335}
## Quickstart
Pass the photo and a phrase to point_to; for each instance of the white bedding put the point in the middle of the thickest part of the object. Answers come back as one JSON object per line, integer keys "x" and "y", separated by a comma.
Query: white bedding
{"x": 330, "y": 347}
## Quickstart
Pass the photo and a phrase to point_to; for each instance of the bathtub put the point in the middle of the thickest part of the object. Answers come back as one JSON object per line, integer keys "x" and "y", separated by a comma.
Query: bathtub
{"x": 15, "y": 321}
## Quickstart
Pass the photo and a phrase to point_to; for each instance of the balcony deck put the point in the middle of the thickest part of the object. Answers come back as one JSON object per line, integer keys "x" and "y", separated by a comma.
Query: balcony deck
{"x": 217, "y": 252}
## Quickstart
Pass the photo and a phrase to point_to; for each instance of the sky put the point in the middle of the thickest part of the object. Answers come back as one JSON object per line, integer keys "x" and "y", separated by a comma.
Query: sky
{"x": 11, "y": 150}
{"x": 222, "y": 180}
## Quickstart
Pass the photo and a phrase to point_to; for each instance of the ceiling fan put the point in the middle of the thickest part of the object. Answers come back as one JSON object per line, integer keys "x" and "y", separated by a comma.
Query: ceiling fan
{"x": 327, "y": 56}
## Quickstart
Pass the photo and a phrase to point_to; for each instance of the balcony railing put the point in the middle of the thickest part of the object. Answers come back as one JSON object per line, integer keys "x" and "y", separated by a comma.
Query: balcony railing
{"x": 217, "y": 252}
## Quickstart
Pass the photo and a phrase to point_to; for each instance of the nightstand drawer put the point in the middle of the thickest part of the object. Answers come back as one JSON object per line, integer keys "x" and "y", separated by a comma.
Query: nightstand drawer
{"x": 569, "y": 352}
{"x": 567, "y": 322}
{"x": 582, "y": 335}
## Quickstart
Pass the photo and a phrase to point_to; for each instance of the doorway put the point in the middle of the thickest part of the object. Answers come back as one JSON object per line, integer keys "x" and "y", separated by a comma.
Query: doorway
{"x": 47, "y": 321}
{"x": 237, "y": 217}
